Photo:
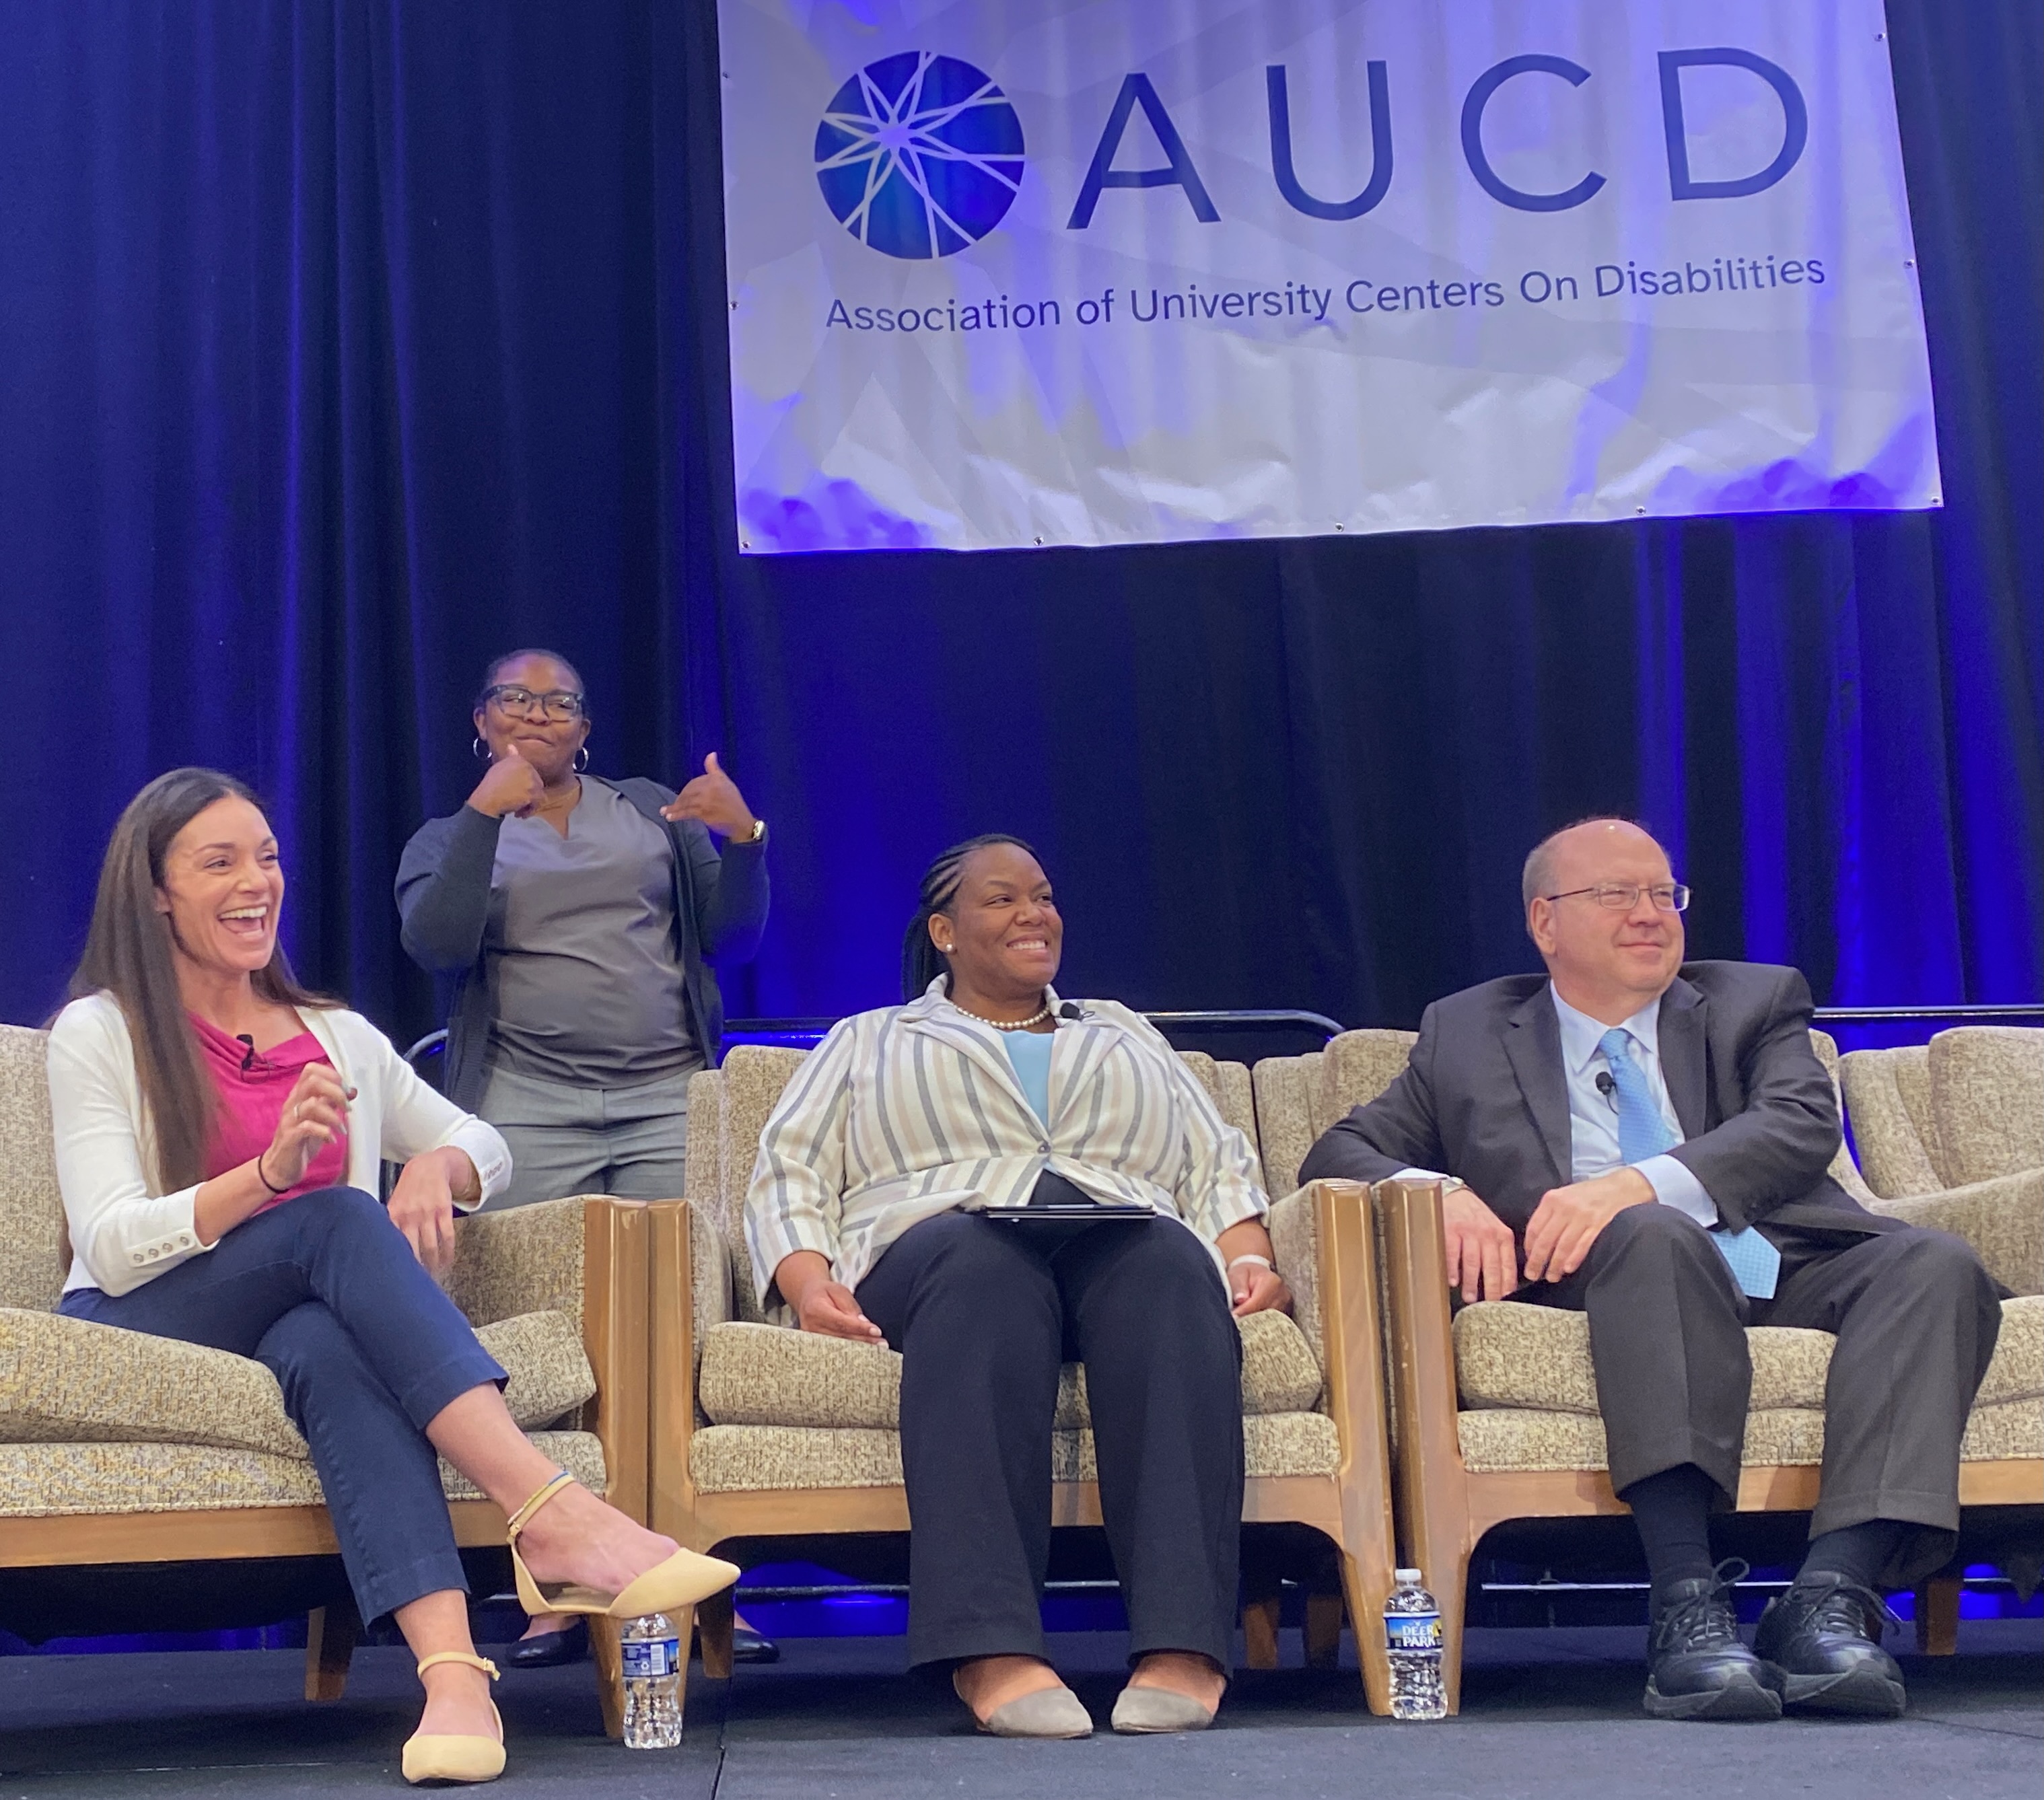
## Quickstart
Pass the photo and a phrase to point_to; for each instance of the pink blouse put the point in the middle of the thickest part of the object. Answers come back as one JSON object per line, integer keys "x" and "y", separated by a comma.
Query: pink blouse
{"x": 251, "y": 1088}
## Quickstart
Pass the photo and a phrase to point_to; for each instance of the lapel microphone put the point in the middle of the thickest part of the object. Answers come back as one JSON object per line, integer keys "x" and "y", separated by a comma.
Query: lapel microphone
{"x": 1605, "y": 1085}
{"x": 248, "y": 1061}
{"x": 1071, "y": 1009}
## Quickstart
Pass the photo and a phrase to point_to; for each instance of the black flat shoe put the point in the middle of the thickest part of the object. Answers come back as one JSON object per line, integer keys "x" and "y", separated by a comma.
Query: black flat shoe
{"x": 748, "y": 1646}
{"x": 550, "y": 1648}
{"x": 1698, "y": 1667}
{"x": 1823, "y": 1635}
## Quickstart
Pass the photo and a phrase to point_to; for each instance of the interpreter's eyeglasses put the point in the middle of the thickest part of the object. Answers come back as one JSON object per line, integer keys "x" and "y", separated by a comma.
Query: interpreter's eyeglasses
{"x": 522, "y": 703}
{"x": 1670, "y": 896}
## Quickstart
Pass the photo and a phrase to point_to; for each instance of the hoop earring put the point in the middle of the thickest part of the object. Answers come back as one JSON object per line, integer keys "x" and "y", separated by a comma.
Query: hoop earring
{"x": 582, "y": 759}
{"x": 477, "y": 747}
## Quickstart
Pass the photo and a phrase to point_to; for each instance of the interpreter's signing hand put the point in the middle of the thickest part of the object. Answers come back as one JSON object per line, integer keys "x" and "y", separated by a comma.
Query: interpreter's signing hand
{"x": 714, "y": 799}
{"x": 422, "y": 1206}
{"x": 315, "y": 1116}
{"x": 1568, "y": 1219}
{"x": 1251, "y": 1288}
{"x": 510, "y": 784}
{"x": 1483, "y": 1260}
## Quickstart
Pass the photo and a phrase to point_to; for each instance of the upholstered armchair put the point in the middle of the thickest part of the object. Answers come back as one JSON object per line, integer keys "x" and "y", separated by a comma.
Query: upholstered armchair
{"x": 1951, "y": 1133}
{"x": 1493, "y": 1412}
{"x": 762, "y": 1431}
{"x": 119, "y": 1448}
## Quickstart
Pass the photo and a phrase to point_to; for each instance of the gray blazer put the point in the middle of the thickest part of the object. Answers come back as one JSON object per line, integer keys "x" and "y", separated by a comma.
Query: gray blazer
{"x": 443, "y": 905}
{"x": 1484, "y": 1096}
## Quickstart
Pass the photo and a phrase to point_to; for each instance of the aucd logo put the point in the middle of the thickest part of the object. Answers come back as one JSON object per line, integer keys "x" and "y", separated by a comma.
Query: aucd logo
{"x": 920, "y": 155}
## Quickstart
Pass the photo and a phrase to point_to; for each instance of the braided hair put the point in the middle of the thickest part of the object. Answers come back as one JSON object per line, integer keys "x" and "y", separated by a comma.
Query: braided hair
{"x": 921, "y": 963}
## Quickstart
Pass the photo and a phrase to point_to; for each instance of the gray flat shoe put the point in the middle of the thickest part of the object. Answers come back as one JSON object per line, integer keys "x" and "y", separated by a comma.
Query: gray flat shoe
{"x": 1158, "y": 1710}
{"x": 1050, "y": 1712}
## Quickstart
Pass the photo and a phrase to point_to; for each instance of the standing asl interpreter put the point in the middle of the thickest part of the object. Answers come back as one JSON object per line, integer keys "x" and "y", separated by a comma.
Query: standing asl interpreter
{"x": 576, "y": 915}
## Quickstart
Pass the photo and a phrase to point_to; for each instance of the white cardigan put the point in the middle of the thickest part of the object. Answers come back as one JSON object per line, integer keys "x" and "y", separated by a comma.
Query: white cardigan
{"x": 123, "y": 1233}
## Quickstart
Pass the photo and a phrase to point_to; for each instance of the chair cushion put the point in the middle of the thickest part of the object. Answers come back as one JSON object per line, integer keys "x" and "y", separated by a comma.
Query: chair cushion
{"x": 33, "y": 1255}
{"x": 52, "y": 1480}
{"x": 67, "y": 1380}
{"x": 767, "y": 1374}
{"x": 1987, "y": 1094}
{"x": 732, "y": 1459}
{"x": 1513, "y": 1356}
{"x": 1781, "y": 1437}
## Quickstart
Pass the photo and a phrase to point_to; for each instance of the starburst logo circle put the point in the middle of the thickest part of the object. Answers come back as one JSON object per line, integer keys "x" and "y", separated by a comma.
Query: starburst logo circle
{"x": 919, "y": 154}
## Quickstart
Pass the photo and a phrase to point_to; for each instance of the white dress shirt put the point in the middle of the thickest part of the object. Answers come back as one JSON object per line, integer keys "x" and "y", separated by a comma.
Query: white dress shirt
{"x": 1593, "y": 1116}
{"x": 124, "y": 1230}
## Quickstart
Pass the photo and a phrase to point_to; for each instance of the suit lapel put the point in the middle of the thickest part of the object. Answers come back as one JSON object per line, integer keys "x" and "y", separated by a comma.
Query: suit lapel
{"x": 1533, "y": 1046}
{"x": 1684, "y": 1063}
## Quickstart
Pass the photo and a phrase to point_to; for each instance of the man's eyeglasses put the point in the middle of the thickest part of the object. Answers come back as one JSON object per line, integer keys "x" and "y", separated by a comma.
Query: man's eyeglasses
{"x": 522, "y": 703}
{"x": 1670, "y": 896}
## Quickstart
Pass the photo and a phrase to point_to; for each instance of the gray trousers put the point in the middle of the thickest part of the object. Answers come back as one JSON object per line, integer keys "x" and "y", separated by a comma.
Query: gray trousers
{"x": 627, "y": 1141}
{"x": 1915, "y": 1316}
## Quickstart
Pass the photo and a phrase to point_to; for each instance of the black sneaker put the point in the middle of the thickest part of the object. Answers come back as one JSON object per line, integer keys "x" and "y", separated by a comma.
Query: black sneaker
{"x": 1824, "y": 1636}
{"x": 1698, "y": 1668}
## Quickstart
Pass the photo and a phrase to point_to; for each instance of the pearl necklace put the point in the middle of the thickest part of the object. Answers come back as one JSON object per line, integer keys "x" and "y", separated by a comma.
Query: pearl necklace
{"x": 1003, "y": 1025}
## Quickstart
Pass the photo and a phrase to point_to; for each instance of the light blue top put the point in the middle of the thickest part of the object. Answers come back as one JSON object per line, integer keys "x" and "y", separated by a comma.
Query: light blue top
{"x": 1030, "y": 1053}
{"x": 1593, "y": 1117}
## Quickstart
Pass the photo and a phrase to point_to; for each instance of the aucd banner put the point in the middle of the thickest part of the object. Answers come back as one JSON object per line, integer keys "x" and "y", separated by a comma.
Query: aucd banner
{"x": 1017, "y": 272}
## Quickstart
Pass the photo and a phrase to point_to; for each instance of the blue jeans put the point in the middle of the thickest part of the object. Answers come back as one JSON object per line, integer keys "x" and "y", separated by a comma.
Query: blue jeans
{"x": 325, "y": 1293}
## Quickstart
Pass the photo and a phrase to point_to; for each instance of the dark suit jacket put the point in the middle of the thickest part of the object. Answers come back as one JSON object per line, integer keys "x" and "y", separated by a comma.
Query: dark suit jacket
{"x": 1484, "y": 1096}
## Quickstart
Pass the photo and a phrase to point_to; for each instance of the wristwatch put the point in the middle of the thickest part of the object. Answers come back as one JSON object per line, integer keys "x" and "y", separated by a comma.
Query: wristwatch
{"x": 756, "y": 835}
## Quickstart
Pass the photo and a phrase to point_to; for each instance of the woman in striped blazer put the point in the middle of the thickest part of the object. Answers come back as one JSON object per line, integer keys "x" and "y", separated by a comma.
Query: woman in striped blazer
{"x": 892, "y": 1201}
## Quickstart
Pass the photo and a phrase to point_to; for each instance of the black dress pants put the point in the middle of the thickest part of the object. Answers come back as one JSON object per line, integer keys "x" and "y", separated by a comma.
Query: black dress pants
{"x": 983, "y": 1314}
{"x": 1915, "y": 1316}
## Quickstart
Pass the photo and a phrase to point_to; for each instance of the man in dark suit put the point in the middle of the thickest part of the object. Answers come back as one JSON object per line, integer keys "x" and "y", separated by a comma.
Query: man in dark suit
{"x": 1645, "y": 1142}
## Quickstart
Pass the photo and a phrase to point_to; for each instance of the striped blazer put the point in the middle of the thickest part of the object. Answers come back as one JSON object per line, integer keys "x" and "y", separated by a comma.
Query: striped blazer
{"x": 911, "y": 1110}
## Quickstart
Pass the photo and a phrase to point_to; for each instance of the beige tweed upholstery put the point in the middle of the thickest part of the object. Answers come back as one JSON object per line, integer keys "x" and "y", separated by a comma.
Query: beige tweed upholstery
{"x": 1538, "y": 1359}
{"x": 33, "y": 1255}
{"x": 1952, "y": 1134}
{"x": 784, "y": 1410}
{"x": 1967, "y": 1108}
{"x": 767, "y": 1374}
{"x": 1887, "y": 1098}
{"x": 1493, "y": 1441}
{"x": 738, "y": 1459}
{"x": 52, "y": 1480}
{"x": 1987, "y": 1094}
{"x": 2002, "y": 1220}
{"x": 1298, "y": 1097}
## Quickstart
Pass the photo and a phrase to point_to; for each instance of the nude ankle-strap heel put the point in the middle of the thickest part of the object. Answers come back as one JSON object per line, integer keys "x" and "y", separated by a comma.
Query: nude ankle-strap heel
{"x": 443, "y": 1756}
{"x": 680, "y": 1582}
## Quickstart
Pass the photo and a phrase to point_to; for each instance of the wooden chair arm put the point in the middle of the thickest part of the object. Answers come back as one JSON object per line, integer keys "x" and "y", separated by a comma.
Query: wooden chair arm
{"x": 1425, "y": 1445}
{"x": 616, "y": 1244}
{"x": 672, "y": 1397}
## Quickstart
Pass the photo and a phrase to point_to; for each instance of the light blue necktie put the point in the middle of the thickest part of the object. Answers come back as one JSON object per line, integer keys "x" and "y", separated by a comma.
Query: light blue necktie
{"x": 1755, "y": 1264}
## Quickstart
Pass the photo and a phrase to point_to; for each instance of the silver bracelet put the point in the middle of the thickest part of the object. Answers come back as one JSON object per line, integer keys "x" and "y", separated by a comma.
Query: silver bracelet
{"x": 1261, "y": 1262}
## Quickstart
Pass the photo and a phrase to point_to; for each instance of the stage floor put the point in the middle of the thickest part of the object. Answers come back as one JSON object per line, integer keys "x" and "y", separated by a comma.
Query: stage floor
{"x": 1550, "y": 1712}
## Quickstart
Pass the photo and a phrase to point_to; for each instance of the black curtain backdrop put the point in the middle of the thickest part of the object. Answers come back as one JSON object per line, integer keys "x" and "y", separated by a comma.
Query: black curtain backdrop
{"x": 343, "y": 345}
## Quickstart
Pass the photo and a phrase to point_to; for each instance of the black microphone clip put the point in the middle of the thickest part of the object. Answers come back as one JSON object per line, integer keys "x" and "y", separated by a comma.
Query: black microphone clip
{"x": 248, "y": 1061}
{"x": 1071, "y": 1009}
{"x": 1605, "y": 1085}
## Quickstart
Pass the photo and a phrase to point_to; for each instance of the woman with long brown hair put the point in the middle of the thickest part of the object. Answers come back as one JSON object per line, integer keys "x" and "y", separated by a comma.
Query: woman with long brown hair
{"x": 218, "y": 1131}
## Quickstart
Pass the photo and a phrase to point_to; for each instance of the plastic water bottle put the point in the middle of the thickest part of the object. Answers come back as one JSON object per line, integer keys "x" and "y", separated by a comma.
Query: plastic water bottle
{"x": 1412, "y": 1636}
{"x": 652, "y": 1683}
